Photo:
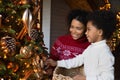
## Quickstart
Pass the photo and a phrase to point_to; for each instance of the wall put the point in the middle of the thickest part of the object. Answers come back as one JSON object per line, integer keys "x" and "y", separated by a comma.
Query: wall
{"x": 54, "y": 21}
{"x": 59, "y": 11}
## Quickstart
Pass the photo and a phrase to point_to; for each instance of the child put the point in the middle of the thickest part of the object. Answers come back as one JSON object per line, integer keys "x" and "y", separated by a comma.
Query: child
{"x": 97, "y": 58}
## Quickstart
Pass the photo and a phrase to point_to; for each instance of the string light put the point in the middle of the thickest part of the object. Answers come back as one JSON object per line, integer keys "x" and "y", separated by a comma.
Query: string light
{"x": 107, "y": 5}
{"x": 114, "y": 41}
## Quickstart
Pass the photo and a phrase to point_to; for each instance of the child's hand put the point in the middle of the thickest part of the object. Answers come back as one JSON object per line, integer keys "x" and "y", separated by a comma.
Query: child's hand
{"x": 51, "y": 62}
{"x": 79, "y": 77}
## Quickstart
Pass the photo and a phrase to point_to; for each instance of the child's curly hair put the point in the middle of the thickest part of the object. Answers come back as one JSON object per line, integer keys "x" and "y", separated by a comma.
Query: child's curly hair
{"x": 105, "y": 20}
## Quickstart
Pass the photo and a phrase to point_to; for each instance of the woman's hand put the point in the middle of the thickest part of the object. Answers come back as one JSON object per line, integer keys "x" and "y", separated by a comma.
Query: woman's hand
{"x": 51, "y": 62}
{"x": 79, "y": 77}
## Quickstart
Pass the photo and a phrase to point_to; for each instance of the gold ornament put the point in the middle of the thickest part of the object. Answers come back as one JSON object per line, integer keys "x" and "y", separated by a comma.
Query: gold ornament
{"x": 26, "y": 52}
{"x": 13, "y": 66}
{"x": 10, "y": 65}
{"x": 23, "y": 2}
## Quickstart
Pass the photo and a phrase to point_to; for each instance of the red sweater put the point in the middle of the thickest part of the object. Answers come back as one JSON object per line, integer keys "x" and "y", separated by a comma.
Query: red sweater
{"x": 65, "y": 47}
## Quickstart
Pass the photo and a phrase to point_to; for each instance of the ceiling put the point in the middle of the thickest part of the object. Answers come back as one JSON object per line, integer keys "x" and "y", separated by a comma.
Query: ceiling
{"x": 91, "y": 5}
{"x": 88, "y": 5}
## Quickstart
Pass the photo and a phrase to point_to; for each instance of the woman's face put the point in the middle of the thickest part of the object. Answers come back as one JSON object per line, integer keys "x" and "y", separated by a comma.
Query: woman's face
{"x": 77, "y": 29}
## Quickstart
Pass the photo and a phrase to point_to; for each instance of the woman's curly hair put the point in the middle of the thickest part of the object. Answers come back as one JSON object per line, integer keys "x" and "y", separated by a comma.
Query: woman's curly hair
{"x": 79, "y": 15}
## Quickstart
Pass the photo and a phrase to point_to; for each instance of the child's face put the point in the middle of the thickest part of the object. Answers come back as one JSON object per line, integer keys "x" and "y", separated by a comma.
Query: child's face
{"x": 77, "y": 29}
{"x": 93, "y": 34}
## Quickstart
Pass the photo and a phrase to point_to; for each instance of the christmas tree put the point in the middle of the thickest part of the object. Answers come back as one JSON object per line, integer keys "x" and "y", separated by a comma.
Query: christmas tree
{"x": 22, "y": 49}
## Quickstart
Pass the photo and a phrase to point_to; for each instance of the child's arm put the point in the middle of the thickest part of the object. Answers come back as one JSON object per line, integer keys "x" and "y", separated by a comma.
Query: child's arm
{"x": 71, "y": 63}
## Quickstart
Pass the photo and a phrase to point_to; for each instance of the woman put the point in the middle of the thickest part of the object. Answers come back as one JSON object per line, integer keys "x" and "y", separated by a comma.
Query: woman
{"x": 73, "y": 44}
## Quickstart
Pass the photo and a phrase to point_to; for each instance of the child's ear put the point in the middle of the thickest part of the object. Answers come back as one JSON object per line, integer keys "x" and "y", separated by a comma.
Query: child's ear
{"x": 100, "y": 32}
